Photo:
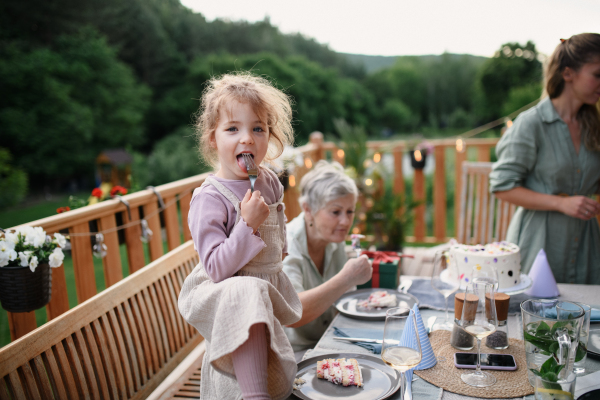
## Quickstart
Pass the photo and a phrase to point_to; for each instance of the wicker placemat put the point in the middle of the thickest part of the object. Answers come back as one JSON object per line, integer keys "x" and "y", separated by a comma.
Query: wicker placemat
{"x": 509, "y": 384}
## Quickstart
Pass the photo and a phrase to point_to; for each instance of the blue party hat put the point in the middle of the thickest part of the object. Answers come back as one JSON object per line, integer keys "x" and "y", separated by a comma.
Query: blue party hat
{"x": 428, "y": 359}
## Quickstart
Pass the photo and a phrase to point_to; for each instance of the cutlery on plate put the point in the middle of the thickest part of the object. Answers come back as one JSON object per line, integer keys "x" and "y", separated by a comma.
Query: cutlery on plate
{"x": 364, "y": 340}
{"x": 251, "y": 168}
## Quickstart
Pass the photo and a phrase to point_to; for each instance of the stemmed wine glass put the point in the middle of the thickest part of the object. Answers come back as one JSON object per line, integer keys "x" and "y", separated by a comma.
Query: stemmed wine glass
{"x": 479, "y": 320}
{"x": 404, "y": 355}
{"x": 446, "y": 285}
{"x": 486, "y": 273}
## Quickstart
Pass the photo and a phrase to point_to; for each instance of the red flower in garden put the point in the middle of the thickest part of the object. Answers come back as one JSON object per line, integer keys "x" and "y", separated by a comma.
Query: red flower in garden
{"x": 118, "y": 190}
{"x": 97, "y": 192}
{"x": 63, "y": 209}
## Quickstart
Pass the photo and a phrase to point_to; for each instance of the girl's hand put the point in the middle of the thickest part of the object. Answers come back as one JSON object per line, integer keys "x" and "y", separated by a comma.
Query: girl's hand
{"x": 580, "y": 207}
{"x": 254, "y": 209}
{"x": 357, "y": 271}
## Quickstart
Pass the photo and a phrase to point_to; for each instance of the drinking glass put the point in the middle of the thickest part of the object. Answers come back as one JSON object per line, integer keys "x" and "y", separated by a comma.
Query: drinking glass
{"x": 400, "y": 357}
{"x": 444, "y": 279}
{"x": 479, "y": 320}
{"x": 551, "y": 390}
{"x": 486, "y": 273}
{"x": 584, "y": 335}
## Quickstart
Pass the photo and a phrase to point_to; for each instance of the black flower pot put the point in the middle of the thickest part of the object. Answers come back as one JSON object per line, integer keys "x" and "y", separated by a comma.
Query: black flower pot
{"x": 284, "y": 178}
{"x": 418, "y": 164}
{"x": 22, "y": 290}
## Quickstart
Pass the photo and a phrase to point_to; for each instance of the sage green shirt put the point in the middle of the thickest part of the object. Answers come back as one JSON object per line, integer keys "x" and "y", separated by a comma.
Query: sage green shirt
{"x": 304, "y": 275}
{"x": 537, "y": 153}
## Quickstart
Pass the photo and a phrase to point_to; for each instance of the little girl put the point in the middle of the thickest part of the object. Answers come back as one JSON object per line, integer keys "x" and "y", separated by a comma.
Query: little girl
{"x": 238, "y": 297}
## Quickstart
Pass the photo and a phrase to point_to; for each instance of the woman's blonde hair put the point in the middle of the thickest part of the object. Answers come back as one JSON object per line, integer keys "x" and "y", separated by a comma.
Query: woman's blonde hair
{"x": 271, "y": 105}
{"x": 573, "y": 53}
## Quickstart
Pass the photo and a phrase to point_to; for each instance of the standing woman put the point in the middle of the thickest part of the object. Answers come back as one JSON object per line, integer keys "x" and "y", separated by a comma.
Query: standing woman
{"x": 549, "y": 166}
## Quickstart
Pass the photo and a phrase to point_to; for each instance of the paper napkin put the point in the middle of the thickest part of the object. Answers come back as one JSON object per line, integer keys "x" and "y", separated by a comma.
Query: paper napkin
{"x": 428, "y": 359}
{"x": 544, "y": 284}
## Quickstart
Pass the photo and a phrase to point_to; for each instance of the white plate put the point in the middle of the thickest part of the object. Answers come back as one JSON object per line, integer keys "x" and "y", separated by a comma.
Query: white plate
{"x": 348, "y": 304}
{"x": 520, "y": 288}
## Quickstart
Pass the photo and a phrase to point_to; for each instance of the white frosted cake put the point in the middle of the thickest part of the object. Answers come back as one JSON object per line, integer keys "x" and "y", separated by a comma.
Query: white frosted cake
{"x": 504, "y": 256}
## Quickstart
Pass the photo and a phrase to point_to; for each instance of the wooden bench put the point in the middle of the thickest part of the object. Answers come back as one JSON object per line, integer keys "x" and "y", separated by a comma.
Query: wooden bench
{"x": 120, "y": 344}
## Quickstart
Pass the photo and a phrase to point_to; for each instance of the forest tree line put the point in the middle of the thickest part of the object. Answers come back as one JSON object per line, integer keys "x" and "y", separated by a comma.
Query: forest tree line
{"x": 80, "y": 77}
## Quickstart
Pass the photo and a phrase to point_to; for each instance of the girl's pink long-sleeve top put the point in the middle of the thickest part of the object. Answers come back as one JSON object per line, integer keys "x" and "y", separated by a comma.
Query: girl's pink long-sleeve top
{"x": 224, "y": 248}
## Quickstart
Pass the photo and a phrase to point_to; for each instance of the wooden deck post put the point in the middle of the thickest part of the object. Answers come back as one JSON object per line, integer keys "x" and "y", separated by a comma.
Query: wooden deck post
{"x": 316, "y": 138}
{"x": 398, "y": 176}
{"x": 419, "y": 194}
{"x": 439, "y": 195}
{"x": 458, "y": 173}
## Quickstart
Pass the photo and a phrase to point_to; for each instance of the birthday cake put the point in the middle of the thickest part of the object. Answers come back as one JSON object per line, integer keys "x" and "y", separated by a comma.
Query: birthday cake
{"x": 504, "y": 256}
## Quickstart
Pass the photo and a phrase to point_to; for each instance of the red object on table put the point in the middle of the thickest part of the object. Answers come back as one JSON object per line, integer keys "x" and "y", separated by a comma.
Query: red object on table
{"x": 381, "y": 257}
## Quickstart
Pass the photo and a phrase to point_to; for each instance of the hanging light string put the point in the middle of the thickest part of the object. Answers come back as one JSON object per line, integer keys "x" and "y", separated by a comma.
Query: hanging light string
{"x": 134, "y": 223}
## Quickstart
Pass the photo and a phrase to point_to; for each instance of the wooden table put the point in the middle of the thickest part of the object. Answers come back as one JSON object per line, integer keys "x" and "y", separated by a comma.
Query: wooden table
{"x": 587, "y": 294}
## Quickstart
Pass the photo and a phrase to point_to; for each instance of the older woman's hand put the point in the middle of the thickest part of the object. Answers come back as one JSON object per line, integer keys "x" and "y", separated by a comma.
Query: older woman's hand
{"x": 357, "y": 271}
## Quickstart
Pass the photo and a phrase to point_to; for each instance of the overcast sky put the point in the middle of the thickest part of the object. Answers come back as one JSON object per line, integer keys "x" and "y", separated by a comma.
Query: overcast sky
{"x": 415, "y": 27}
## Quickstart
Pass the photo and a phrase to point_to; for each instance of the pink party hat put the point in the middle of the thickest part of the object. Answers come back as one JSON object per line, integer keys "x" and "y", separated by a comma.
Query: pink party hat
{"x": 544, "y": 284}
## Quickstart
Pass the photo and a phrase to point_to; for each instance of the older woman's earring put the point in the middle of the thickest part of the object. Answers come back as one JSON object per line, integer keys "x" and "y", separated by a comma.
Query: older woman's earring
{"x": 310, "y": 224}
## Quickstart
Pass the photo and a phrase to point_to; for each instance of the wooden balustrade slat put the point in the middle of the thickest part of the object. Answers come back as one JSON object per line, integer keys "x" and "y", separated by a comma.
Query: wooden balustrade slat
{"x": 83, "y": 262}
{"x": 184, "y": 206}
{"x": 20, "y": 324}
{"x": 398, "y": 175}
{"x": 439, "y": 195}
{"x": 171, "y": 223}
{"x": 155, "y": 244}
{"x": 469, "y": 222}
{"x": 459, "y": 158}
{"x": 135, "y": 247}
{"x": 419, "y": 195}
{"x": 59, "y": 301}
{"x": 113, "y": 269}
{"x": 483, "y": 207}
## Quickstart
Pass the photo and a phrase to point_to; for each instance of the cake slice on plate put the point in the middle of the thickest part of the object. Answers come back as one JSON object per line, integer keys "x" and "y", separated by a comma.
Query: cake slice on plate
{"x": 340, "y": 371}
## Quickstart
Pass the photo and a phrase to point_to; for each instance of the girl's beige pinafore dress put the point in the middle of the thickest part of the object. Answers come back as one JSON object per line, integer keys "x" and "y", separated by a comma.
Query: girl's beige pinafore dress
{"x": 223, "y": 312}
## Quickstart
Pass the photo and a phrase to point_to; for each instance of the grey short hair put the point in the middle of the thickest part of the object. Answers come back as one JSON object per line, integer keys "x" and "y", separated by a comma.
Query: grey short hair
{"x": 324, "y": 183}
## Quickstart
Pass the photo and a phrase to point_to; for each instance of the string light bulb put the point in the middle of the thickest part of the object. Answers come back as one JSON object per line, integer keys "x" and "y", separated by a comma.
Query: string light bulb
{"x": 509, "y": 123}
{"x": 308, "y": 163}
{"x": 99, "y": 249}
{"x": 292, "y": 181}
{"x": 146, "y": 232}
{"x": 356, "y": 230}
{"x": 418, "y": 155}
{"x": 340, "y": 153}
{"x": 368, "y": 181}
{"x": 376, "y": 157}
{"x": 460, "y": 145}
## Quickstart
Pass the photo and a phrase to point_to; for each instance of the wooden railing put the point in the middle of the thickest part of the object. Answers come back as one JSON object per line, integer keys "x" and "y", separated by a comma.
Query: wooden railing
{"x": 169, "y": 225}
{"x": 317, "y": 150}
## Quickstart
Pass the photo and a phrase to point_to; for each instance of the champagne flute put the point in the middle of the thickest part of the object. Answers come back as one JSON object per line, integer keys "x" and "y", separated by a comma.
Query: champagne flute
{"x": 404, "y": 355}
{"x": 486, "y": 273}
{"x": 447, "y": 286}
{"x": 479, "y": 320}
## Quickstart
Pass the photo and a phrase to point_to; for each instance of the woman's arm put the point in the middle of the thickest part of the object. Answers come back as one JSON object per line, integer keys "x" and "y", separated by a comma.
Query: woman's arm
{"x": 317, "y": 300}
{"x": 574, "y": 206}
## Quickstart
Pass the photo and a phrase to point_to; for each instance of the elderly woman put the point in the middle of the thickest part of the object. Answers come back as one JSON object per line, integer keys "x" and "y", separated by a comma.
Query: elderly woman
{"x": 316, "y": 263}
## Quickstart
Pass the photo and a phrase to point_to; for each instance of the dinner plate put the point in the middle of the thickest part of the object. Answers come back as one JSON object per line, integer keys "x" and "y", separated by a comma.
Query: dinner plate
{"x": 593, "y": 346}
{"x": 379, "y": 380}
{"x": 348, "y": 304}
{"x": 520, "y": 288}
{"x": 593, "y": 395}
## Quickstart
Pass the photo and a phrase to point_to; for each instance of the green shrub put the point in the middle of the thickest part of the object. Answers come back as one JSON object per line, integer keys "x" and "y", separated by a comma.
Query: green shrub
{"x": 13, "y": 181}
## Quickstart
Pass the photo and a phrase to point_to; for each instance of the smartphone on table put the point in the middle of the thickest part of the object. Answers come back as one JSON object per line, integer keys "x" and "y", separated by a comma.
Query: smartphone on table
{"x": 503, "y": 362}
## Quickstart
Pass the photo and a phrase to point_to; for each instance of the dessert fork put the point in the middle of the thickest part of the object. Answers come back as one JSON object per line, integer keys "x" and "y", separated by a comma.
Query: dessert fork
{"x": 251, "y": 168}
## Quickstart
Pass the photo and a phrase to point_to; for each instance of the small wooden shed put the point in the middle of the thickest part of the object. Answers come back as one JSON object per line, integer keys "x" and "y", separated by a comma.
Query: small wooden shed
{"x": 114, "y": 166}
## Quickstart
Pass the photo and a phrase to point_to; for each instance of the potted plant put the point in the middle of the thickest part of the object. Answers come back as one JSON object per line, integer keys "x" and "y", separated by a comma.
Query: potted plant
{"x": 26, "y": 256}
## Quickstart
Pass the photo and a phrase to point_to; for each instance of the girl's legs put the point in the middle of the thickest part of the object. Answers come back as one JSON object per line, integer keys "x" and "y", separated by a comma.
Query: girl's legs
{"x": 250, "y": 364}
